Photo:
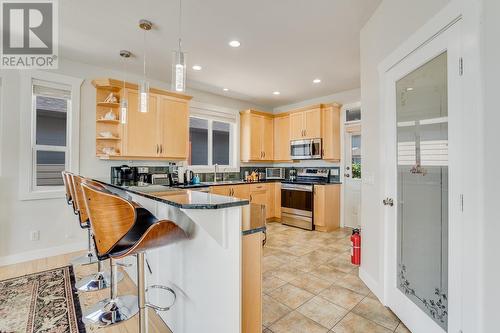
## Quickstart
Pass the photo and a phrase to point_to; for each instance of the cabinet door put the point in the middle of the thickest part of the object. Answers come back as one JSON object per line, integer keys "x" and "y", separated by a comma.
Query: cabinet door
{"x": 267, "y": 138}
{"x": 221, "y": 190}
{"x": 251, "y": 283}
{"x": 256, "y": 137}
{"x": 297, "y": 126}
{"x": 174, "y": 128}
{"x": 241, "y": 192}
{"x": 331, "y": 133}
{"x": 141, "y": 130}
{"x": 319, "y": 205}
{"x": 282, "y": 138}
{"x": 312, "y": 119}
{"x": 277, "y": 200}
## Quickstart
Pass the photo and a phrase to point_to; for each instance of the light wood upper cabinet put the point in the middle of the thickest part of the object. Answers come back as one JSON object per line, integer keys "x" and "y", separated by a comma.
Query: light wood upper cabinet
{"x": 282, "y": 138}
{"x": 265, "y": 137}
{"x": 296, "y": 126}
{"x": 142, "y": 129}
{"x": 162, "y": 133}
{"x": 331, "y": 132}
{"x": 305, "y": 124}
{"x": 312, "y": 125}
{"x": 268, "y": 138}
{"x": 174, "y": 128}
{"x": 256, "y": 136}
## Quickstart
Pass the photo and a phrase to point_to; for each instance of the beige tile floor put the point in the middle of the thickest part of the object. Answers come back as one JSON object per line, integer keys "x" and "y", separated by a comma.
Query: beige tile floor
{"x": 310, "y": 286}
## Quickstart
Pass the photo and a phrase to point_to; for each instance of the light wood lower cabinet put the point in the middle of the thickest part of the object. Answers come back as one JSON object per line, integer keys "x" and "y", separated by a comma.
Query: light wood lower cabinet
{"x": 261, "y": 194}
{"x": 326, "y": 207}
{"x": 237, "y": 191}
{"x": 251, "y": 283}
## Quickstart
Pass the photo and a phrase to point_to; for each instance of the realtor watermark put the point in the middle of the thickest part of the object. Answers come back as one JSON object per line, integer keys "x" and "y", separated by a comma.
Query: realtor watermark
{"x": 29, "y": 37}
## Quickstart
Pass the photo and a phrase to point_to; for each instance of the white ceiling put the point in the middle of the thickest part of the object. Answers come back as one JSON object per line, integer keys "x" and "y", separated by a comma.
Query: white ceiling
{"x": 285, "y": 44}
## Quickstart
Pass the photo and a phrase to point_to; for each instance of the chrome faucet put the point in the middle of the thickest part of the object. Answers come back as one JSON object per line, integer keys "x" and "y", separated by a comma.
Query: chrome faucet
{"x": 215, "y": 172}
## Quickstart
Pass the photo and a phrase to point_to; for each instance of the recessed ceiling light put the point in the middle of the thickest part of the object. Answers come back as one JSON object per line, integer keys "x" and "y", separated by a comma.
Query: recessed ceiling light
{"x": 276, "y": 93}
{"x": 234, "y": 43}
{"x": 226, "y": 89}
{"x": 409, "y": 89}
{"x": 197, "y": 67}
{"x": 316, "y": 80}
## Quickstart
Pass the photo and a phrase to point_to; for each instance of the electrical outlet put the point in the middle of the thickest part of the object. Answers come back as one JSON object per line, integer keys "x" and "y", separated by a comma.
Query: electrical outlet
{"x": 35, "y": 235}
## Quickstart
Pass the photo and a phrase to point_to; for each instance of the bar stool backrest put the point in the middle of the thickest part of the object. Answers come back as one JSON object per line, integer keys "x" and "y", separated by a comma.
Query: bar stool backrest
{"x": 66, "y": 186}
{"x": 80, "y": 201}
{"x": 111, "y": 216}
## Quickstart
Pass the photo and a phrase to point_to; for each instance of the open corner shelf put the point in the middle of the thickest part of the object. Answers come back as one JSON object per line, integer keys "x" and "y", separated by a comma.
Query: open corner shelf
{"x": 109, "y": 105}
{"x": 108, "y": 121}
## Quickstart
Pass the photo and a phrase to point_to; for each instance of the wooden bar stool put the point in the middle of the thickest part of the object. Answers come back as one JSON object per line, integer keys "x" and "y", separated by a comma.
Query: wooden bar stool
{"x": 122, "y": 228}
{"x": 89, "y": 257}
{"x": 100, "y": 279}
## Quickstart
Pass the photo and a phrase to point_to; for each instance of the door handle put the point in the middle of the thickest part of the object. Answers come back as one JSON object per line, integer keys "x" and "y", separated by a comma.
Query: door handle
{"x": 347, "y": 175}
{"x": 388, "y": 202}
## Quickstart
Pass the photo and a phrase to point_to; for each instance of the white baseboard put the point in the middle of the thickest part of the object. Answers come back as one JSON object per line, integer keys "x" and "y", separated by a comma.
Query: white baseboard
{"x": 42, "y": 253}
{"x": 371, "y": 283}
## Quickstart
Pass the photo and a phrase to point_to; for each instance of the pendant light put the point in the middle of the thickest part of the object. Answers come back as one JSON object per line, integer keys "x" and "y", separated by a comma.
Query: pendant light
{"x": 179, "y": 61}
{"x": 145, "y": 25}
{"x": 123, "y": 101}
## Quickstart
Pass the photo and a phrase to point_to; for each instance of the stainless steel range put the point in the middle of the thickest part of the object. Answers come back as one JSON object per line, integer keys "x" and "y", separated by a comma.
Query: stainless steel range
{"x": 297, "y": 197}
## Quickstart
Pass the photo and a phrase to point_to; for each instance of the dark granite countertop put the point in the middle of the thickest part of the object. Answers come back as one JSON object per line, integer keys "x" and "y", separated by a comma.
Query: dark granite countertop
{"x": 242, "y": 182}
{"x": 177, "y": 197}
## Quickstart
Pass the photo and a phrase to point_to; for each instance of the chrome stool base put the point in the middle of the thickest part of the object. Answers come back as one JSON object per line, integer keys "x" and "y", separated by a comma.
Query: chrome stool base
{"x": 97, "y": 281}
{"x": 110, "y": 312}
{"x": 87, "y": 259}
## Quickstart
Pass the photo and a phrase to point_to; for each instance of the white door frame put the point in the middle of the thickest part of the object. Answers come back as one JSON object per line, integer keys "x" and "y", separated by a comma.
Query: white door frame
{"x": 343, "y": 162}
{"x": 427, "y": 36}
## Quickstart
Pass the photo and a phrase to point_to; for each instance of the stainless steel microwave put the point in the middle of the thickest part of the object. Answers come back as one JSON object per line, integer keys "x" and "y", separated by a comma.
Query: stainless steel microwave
{"x": 309, "y": 149}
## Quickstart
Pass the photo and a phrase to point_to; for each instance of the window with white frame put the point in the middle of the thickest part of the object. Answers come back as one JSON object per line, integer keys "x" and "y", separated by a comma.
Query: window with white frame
{"x": 211, "y": 142}
{"x": 50, "y": 138}
{"x": 49, "y": 134}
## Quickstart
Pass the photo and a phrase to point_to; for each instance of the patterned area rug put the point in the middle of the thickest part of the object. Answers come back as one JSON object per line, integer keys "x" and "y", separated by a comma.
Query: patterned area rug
{"x": 41, "y": 302}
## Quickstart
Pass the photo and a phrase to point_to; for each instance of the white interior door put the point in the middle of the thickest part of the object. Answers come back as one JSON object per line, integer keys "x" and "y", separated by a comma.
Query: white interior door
{"x": 423, "y": 124}
{"x": 352, "y": 177}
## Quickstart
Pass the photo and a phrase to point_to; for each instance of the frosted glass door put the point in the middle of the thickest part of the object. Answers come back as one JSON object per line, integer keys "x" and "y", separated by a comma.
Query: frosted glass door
{"x": 422, "y": 188}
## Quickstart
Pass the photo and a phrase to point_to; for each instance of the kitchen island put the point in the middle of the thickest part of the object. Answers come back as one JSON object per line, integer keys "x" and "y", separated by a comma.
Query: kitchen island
{"x": 205, "y": 270}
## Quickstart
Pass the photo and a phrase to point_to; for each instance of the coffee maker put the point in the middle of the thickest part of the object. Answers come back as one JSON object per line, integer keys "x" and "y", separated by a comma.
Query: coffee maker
{"x": 124, "y": 173}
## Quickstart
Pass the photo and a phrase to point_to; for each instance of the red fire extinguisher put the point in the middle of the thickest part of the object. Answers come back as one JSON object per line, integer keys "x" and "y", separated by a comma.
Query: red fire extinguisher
{"x": 356, "y": 247}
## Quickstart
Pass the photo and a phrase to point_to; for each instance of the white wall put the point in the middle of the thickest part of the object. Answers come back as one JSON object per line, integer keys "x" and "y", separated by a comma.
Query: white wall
{"x": 391, "y": 24}
{"x": 343, "y": 97}
{"x": 491, "y": 189}
{"x": 53, "y": 218}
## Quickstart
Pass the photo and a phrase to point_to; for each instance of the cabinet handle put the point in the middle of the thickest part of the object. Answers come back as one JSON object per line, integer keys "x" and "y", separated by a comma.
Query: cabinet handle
{"x": 157, "y": 149}
{"x": 251, "y": 198}
{"x": 264, "y": 154}
{"x": 161, "y": 149}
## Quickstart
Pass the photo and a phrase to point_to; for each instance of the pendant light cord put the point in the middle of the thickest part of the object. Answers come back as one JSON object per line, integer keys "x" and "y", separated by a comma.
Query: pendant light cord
{"x": 144, "y": 62}
{"x": 180, "y": 23}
